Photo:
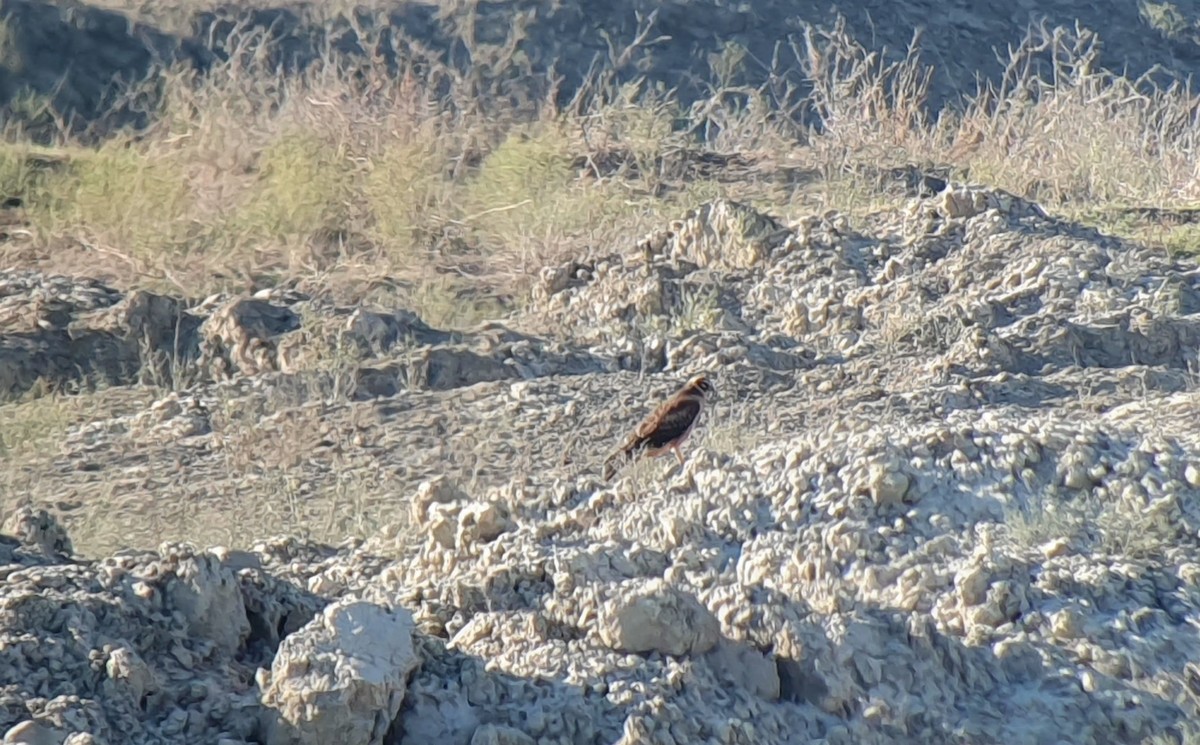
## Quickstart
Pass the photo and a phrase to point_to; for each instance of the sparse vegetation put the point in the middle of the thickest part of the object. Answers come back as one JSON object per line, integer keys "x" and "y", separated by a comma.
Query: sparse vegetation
{"x": 245, "y": 178}
{"x": 952, "y": 439}
{"x": 730, "y": 434}
{"x": 452, "y": 197}
{"x": 1166, "y": 17}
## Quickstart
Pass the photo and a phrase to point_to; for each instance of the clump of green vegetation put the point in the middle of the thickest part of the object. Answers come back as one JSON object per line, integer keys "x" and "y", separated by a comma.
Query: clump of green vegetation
{"x": 1181, "y": 240}
{"x": 134, "y": 201}
{"x": 305, "y": 187}
{"x": 521, "y": 185}
{"x": 525, "y": 204}
{"x": 407, "y": 192}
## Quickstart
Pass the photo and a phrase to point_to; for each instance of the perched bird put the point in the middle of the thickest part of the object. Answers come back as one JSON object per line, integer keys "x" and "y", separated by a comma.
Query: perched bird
{"x": 667, "y": 427}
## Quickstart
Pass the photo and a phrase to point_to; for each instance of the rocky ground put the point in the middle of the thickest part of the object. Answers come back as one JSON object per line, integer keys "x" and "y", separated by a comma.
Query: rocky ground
{"x": 950, "y": 494}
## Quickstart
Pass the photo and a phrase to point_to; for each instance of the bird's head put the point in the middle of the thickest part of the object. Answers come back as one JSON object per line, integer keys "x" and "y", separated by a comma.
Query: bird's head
{"x": 702, "y": 386}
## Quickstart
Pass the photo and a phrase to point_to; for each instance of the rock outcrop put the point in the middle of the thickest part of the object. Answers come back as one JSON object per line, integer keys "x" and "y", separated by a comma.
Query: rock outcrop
{"x": 341, "y": 678}
{"x": 949, "y": 493}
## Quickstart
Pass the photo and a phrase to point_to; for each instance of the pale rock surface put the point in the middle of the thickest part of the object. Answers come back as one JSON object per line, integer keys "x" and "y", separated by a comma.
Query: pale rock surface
{"x": 482, "y": 522}
{"x": 490, "y": 734}
{"x": 340, "y": 679}
{"x": 130, "y": 673}
{"x": 745, "y": 667}
{"x": 38, "y": 530}
{"x": 208, "y": 594}
{"x": 656, "y": 617}
{"x": 31, "y": 733}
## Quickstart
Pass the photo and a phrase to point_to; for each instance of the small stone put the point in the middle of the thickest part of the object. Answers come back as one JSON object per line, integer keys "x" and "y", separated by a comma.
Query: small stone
{"x": 989, "y": 614}
{"x": 1192, "y": 475}
{"x": 127, "y": 668}
{"x": 659, "y": 618}
{"x": 341, "y": 678}
{"x": 437, "y": 491}
{"x": 493, "y": 734}
{"x": 322, "y": 584}
{"x": 1076, "y": 477}
{"x": 972, "y": 586}
{"x": 208, "y": 595}
{"x": 442, "y": 526}
{"x": 1067, "y": 624}
{"x": 1055, "y": 548}
{"x": 1088, "y": 680}
{"x": 482, "y": 522}
{"x": 747, "y": 667}
{"x": 887, "y": 486}
{"x": 30, "y": 732}
{"x": 183, "y": 656}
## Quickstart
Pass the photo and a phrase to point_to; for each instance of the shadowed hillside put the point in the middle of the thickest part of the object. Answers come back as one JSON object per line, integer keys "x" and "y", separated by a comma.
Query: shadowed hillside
{"x": 75, "y": 52}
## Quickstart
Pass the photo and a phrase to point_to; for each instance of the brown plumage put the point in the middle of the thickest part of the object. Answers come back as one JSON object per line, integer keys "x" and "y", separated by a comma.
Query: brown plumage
{"x": 666, "y": 428}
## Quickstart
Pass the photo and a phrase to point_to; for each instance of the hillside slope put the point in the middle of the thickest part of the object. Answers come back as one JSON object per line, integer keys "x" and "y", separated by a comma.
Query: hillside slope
{"x": 950, "y": 495}
{"x": 73, "y": 52}
{"x": 304, "y": 394}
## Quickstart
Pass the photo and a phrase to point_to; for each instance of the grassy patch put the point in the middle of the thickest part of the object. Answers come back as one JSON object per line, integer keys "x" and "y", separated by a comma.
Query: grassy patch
{"x": 1112, "y": 526}
{"x": 530, "y": 164}
{"x": 407, "y": 192}
{"x": 303, "y": 189}
{"x": 33, "y": 425}
{"x": 1044, "y": 517}
{"x": 129, "y": 200}
{"x": 1175, "y": 236}
{"x": 1180, "y": 240}
{"x": 525, "y": 203}
{"x": 36, "y": 423}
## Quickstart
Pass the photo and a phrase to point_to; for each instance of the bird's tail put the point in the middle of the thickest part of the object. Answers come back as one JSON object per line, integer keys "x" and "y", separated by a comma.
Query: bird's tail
{"x": 610, "y": 466}
{"x": 615, "y": 462}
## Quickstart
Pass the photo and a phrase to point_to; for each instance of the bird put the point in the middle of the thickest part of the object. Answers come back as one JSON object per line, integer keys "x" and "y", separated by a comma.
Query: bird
{"x": 667, "y": 427}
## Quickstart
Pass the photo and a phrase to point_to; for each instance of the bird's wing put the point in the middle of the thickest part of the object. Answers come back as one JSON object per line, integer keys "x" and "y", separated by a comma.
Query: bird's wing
{"x": 669, "y": 423}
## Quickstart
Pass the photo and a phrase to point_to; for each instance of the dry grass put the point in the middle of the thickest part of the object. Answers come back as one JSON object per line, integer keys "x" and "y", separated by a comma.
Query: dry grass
{"x": 246, "y": 178}
{"x": 35, "y": 424}
{"x": 288, "y": 463}
{"x": 732, "y": 434}
{"x": 243, "y": 183}
{"x": 1106, "y": 525}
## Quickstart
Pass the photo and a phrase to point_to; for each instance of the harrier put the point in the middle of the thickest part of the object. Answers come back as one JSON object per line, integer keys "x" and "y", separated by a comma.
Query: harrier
{"x": 666, "y": 428}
